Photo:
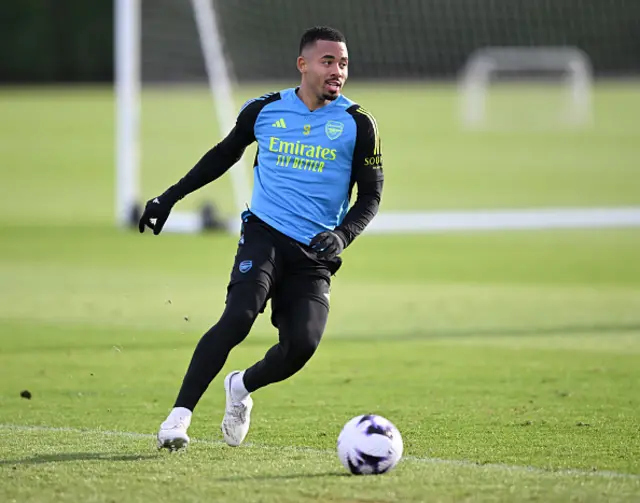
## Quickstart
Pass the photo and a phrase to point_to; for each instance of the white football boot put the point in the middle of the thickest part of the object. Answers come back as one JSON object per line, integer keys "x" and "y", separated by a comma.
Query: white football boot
{"x": 237, "y": 415}
{"x": 173, "y": 431}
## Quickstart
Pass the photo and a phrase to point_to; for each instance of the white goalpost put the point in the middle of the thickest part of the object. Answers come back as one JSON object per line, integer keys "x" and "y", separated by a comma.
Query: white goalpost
{"x": 485, "y": 105}
{"x": 127, "y": 90}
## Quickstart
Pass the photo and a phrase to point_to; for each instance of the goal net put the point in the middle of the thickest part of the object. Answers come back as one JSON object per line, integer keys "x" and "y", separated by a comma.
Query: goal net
{"x": 526, "y": 88}
{"x": 422, "y": 67}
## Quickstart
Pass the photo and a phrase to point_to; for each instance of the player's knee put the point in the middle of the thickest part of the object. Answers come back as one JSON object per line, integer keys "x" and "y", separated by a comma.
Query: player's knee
{"x": 244, "y": 303}
{"x": 303, "y": 348}
{"x": 238, "y": 321}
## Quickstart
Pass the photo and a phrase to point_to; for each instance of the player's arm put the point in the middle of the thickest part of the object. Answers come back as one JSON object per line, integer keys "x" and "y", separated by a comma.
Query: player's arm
{"x": 211, "y": 166}
{"x": 367, "y": 176}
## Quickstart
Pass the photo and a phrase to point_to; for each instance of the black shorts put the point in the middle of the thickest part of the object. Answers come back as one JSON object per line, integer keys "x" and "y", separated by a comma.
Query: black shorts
{"x": 283, "y": 267}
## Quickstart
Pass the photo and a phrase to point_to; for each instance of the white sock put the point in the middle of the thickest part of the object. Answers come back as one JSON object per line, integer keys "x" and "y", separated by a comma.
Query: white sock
{"x": 238, "y": 391}
{"x": 179, "y": 414}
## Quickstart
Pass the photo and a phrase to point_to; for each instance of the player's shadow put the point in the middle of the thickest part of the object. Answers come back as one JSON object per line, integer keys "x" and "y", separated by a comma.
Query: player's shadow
{"x": 290, "y": 476}
{"x": 75, "y": 456}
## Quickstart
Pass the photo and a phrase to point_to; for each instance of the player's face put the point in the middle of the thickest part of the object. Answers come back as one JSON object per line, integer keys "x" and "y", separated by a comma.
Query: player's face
{"x": 325, "y": 68}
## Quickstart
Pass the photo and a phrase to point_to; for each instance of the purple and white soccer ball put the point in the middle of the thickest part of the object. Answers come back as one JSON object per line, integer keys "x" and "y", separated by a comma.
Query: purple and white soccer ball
{"x": 369, "y": 445}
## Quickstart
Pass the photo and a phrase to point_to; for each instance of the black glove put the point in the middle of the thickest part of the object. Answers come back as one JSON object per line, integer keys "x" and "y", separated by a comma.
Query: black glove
{"x": 157, "y": 208}
{"x": 327, "y": 244}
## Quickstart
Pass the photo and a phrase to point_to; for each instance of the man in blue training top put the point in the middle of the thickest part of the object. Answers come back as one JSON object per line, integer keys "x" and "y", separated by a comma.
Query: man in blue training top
{"x": 314, "y": 145}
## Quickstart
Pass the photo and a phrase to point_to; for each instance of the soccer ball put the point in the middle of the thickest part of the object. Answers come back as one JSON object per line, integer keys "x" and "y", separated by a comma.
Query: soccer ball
{"x": 369, "y": 445}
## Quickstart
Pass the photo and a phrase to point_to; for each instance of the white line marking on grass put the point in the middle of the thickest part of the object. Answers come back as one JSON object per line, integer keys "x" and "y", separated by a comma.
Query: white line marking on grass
{"x": 311, "y": 450}
{"x": 504, "y": 219}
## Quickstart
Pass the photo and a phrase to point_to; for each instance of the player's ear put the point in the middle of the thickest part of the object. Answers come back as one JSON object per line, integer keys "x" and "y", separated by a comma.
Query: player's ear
{"x": 301, "y": 64}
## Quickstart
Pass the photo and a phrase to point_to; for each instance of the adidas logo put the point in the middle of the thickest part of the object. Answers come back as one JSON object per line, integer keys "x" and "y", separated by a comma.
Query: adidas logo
{"x": 279, "y": 123}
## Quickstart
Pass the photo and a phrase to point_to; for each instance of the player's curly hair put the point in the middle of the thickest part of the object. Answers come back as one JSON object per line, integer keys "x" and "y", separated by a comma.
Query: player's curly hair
{"x": 320, "y": 33}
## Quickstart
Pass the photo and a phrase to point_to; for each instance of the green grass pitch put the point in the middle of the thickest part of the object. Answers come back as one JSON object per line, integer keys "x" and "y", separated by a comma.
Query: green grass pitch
{"x": 508, "y": 360}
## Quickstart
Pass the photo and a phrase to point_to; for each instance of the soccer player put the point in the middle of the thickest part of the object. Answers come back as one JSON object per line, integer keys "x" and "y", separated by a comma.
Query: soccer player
{"x": 314, "y": 145}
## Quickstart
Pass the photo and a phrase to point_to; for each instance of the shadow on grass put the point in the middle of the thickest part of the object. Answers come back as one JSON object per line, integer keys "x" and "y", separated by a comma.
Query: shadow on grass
{"x": 76, "y": 456}
{"x": 290, "y": 476}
